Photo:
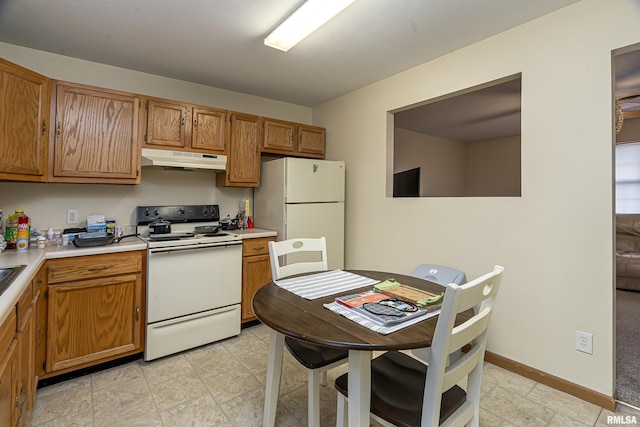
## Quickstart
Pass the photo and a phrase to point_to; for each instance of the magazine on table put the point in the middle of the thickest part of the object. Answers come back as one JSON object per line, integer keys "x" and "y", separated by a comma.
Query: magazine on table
{"x": 383, "y": 309}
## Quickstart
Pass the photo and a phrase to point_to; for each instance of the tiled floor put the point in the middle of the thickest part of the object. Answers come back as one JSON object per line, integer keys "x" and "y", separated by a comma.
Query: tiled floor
{"x": 222, "y": 384}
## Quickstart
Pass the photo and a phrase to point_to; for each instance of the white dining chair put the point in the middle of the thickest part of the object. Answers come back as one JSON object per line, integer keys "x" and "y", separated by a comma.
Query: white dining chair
{"x": 407, "y": 392}
{"x": 440, "y": 274}
{"x": 297, "y": 256}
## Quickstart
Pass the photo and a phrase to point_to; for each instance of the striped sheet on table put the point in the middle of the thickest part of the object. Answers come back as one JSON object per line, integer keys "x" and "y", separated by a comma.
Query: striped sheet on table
{"x": 326, "y": 283}
{"x": 368, "y": 323}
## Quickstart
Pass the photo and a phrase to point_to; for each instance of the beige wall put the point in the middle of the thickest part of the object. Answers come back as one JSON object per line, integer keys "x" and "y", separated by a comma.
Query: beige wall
{"x": 556, "y": 241}
{"x": 91, "y": 73}
{"x": 47, "y": 204}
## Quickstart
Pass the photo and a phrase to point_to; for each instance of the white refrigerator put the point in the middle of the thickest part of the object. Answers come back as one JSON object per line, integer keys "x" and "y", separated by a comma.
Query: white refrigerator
{"x": 303, "y": 198}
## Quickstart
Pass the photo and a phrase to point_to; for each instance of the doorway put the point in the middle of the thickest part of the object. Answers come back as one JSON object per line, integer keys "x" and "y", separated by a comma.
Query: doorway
{"x": 627, "y": 219}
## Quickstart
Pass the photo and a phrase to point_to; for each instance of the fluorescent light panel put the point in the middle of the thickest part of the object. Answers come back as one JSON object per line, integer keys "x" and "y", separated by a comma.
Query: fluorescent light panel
{"x": 304, "y": 21}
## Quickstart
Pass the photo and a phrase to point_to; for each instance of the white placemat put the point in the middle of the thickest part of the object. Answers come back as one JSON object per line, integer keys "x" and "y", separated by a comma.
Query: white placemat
{"x": 368, "y": 323}
{"x": 326, "y": 283}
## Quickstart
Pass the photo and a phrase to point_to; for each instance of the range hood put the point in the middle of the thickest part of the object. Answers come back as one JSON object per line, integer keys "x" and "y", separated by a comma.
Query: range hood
{"x": 183, "y": 159}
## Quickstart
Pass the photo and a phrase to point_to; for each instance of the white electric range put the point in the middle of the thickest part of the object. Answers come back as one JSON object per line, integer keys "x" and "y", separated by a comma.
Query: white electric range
{"x": 194, "y": 280}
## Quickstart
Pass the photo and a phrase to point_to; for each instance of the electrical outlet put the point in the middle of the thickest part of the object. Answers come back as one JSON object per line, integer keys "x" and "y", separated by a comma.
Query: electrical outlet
{"x": 584, "y": 342}
{"x": 72, "y": 216}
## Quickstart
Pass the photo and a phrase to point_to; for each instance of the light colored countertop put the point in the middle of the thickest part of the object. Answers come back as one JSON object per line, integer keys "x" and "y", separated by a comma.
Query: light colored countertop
{"x": 35, "y": 258}
{"x": 254, "y": 233}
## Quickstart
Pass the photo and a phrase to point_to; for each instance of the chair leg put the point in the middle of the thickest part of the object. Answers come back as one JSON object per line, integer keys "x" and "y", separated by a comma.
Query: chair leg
{"x": 314, "y": 398}
{"x": 323, "y": 378}
{"x": 342, "y": 415}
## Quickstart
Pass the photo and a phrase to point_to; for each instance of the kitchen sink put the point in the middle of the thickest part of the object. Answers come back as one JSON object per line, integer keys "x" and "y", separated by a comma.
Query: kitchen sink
{"x": 8, "y": 275}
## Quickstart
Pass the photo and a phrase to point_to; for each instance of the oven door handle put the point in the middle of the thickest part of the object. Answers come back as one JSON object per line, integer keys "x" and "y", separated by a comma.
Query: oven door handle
{"x": 195, "y": 247}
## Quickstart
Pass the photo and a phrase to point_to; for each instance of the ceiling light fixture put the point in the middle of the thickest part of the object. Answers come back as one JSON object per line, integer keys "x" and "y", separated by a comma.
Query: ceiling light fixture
{"x": 304, "y": 21}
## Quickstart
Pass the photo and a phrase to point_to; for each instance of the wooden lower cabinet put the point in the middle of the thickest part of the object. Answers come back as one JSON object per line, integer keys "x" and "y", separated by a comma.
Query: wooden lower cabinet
{"x": 9, "y": 372}
{"x": 256, "y": 271}
{"x": 95, "y": 310}
{"x": 39, "y": 293}
{"x": 26, "y": 340}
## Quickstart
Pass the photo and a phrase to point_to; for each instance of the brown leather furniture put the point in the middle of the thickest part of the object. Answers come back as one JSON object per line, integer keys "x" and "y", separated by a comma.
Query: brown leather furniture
{"x": 628, "y": 252}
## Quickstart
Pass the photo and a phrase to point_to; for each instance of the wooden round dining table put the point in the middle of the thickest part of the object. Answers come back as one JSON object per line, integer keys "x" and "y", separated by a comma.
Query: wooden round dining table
{"x": 308, "y": 320}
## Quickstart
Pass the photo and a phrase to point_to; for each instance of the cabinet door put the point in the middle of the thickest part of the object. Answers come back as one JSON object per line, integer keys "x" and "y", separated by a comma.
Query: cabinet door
{"x": 279, "y": 137}
{"x": 8, "y": 379}
{"x": 39, "y": 291}
{"x": 243, "y": 158}
{"x": 166, "y": 124}
{"x": 24, "y": 118}
{"x": 93, "y": 320}
{"x": 97, "y": 136}
{"x": 8, "y": 371}
{"x": 256, "y": 272}
{"x": 26, "y": 364}
{"x": 311, "y": 141}
{"x": 209, "y": 129}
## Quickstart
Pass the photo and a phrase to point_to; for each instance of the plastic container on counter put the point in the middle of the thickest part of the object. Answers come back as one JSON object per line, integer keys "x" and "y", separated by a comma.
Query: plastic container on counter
{"x": 24, "y": 231}
{"x": 11, "y": 230}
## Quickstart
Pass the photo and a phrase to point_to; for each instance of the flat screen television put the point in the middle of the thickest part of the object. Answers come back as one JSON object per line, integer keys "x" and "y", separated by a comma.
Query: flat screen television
{"x": 407, "y": 183}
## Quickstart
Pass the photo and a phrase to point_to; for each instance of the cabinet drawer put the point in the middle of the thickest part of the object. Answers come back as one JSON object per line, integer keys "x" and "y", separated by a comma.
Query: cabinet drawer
{"x": 258, "y": 246}
{"x": 93, "y": 266}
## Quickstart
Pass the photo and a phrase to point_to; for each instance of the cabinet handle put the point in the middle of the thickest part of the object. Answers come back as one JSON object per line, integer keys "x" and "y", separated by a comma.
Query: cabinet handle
{"x": 40, "y": 335}
{"x": 19, "y": 404}
{"x": 137, "y": 312}
{"x": 44, "y": 127}
{"x": 38, "y": 282}
{"x": 258, "y": 249}
{"x": 182, "y": 121}
{"x": 23, "y": 394}
{"x": 58, "y": 130}
{"x": 103, "y": 267}
{"x": 195, "y": 124}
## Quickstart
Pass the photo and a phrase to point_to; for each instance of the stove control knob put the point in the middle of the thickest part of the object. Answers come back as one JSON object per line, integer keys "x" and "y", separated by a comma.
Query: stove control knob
{"x": 204, "y": 211}
{"x": 180, "y": 211}
{"x": 155, "y": 212}
{"x": 146, "y": 212}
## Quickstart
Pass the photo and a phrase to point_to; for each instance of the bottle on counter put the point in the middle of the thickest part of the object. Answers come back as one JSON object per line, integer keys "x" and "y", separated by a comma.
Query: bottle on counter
{"x": 24, "y": 231}
{"x": 11, "y": 230}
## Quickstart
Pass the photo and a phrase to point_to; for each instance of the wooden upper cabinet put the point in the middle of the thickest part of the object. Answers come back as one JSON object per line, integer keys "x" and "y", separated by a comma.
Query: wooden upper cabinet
{"x": 189, "y": 127}
{"x": 24, "y": 123}
{"x": 293, "y": 139}
{"x": 311, "y": 141}
{"x": 97, "y": 136}
{"x": 166, "y": 124}
{"x": 209, "y": 129}
{"x": 279, "y": 137}
{"x": 243, "y": 156}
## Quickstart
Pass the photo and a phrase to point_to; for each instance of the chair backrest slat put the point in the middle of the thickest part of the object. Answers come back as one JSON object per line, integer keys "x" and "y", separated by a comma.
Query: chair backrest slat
{"x": 302, "y": 255}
